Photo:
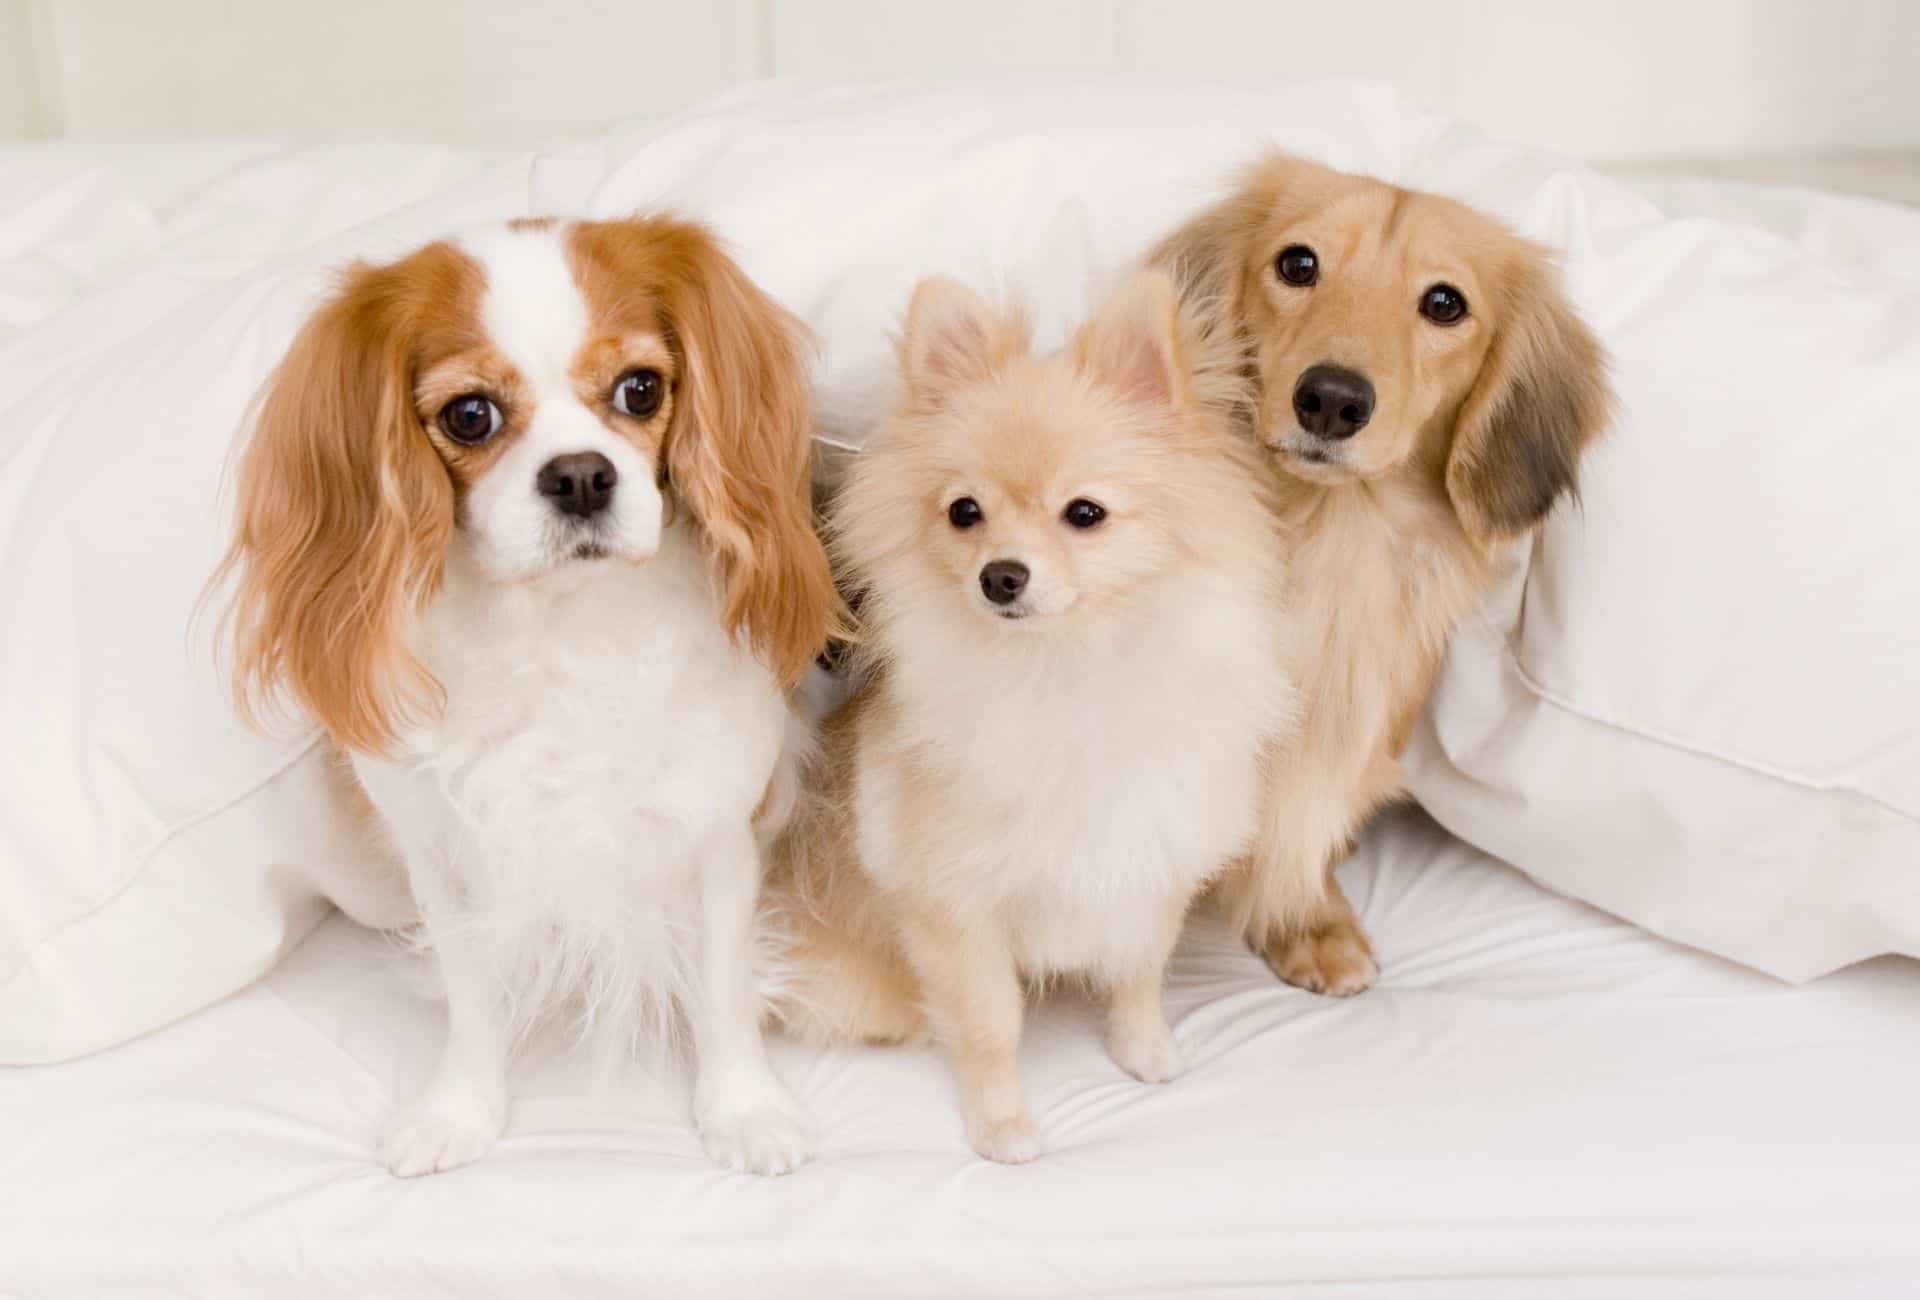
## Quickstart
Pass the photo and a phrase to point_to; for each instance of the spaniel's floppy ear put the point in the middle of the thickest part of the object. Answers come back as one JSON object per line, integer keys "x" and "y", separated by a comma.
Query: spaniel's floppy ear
{"x": 343, "y": 516}
{"x": 1541, "y": 398}
{"x": 954, "y": 337}
{"x": 740, "y": 449}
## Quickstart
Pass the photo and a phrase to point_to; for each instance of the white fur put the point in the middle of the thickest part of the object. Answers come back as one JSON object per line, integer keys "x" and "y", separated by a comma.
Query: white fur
{"x": 577, "y": 825}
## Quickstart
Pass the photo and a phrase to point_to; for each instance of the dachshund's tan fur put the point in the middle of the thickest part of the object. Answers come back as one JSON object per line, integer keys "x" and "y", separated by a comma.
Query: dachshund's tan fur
{"x": 1399, "y": 530}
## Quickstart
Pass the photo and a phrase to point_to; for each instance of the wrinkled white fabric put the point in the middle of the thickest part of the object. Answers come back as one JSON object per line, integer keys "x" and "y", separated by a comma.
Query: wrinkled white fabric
{"x": 1538, "y": 1100}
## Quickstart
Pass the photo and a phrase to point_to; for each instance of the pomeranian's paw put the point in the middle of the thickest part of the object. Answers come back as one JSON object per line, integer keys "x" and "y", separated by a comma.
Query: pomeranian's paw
{"x": 1007, "y": 1141}
{"x": 1146, "y": 1051}
{"x": 1334, "y": 959}
{"x": 444, "y": 1130}
{"x": 764, "y": 1137}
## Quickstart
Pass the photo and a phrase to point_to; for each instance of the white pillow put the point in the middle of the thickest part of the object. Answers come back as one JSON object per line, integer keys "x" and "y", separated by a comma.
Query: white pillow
{"x": 154, "y": 855}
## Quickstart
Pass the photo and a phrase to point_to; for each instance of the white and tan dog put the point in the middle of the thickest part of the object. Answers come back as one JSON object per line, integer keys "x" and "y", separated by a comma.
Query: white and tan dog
{"x": 524, "y": 524}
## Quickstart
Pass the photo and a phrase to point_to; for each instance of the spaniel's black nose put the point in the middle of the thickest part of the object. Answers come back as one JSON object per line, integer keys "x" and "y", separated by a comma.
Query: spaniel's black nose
{"x": 579, "y": 484}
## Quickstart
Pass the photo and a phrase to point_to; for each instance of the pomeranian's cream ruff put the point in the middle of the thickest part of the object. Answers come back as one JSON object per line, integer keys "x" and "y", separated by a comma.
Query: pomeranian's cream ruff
{"x": 1071, "y": 669}
{"x": 1424, "y": 393}
{"x": 524, "y": 524}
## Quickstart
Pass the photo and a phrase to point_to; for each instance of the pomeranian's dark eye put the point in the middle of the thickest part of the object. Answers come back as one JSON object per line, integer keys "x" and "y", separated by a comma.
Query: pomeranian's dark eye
{"x": 470, "y": 420}
{"x": 965, "y": 513}
{"x": 1082, "y": 513}
{"x": 1297, "y": 265}
{"x": 639, "y": 393}
{"x": 1443, "y": 304}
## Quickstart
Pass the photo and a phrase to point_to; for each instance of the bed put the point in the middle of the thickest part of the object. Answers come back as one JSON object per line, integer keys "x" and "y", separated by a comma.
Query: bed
{"x": 1538, "y": 1099}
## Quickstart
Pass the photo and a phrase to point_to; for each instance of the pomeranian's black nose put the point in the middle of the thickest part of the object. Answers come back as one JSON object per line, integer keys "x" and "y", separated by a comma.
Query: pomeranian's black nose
{"x": 580, "y": 484}
{"x": 1002, "y": 580}
{"x": 1333, "y": 402}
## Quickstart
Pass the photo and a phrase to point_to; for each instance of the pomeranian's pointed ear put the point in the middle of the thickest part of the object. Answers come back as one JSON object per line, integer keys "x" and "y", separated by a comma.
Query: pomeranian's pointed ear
{"x": 953, "y": 338}
{"x": 1133, "y": 346}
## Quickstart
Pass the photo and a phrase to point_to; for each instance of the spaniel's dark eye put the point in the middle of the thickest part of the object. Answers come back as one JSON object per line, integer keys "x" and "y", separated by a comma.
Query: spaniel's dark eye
{"x": 1082, "y": 513}
{"x": 965, "y": 513}
{"x": 1297, "y": 265}
{"x": 470, "y": 420}
{"x": 639, "y": 393}
{"x": 1443, "y": 304}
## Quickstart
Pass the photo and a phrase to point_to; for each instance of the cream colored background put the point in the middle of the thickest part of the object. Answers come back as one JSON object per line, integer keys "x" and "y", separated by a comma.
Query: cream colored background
{"x": 1607, "y": 79}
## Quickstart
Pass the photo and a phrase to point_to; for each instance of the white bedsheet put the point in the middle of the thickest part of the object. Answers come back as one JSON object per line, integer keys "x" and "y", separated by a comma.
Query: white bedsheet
{"x": 1537, "y": 1101}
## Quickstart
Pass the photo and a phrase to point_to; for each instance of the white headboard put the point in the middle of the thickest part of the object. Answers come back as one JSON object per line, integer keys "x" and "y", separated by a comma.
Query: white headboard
{"x": 1608, "y": 79}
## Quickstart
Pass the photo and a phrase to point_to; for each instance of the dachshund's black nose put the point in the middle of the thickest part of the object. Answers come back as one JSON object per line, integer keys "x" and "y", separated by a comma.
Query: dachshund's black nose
{"x": 1333, "y": 402}
{"x": 1002, "y": 580}
{"x": 580, "y": 484}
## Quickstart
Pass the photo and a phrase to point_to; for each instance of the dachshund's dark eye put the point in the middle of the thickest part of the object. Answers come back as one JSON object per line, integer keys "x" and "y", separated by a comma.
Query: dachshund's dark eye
{"x": 470, "y": 420}
{"x": 639, "y": 393}
{"x": 1297, "y": 265}
{"x": 965, "y": 513}
{"x": 1082, "y": 513}
{"x": 1443, "y": 304}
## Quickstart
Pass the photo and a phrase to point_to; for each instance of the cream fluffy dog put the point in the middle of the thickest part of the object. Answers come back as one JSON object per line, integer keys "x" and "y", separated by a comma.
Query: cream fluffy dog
{"x": 1070, "y": 675}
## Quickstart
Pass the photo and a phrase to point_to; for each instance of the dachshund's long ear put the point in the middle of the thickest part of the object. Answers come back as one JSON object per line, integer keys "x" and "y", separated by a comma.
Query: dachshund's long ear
{"x": 739, "y": 451}
{"x": 344, "y": 511}
{"x": 1541, "y": 398}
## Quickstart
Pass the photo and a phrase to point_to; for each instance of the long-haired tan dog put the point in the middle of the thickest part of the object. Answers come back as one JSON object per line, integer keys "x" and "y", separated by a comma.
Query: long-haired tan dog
{"x": 1424, "y": 393}
{"x": 1073, "y": 636}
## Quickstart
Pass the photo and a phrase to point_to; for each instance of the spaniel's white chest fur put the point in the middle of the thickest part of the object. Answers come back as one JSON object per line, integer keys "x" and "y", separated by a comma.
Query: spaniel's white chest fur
{"x": 599, "y": 730}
